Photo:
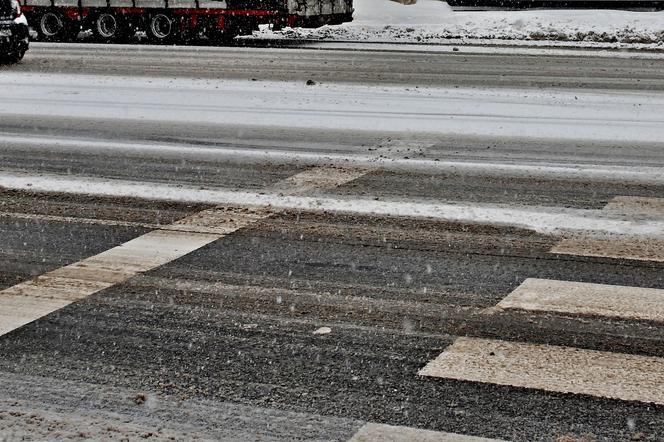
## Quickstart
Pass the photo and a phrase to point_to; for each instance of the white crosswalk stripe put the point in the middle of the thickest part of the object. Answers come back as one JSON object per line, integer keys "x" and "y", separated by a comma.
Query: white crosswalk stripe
{"x": 638, "y": 248}
{"x": 318, "y": 178}
{"x": 389, "y": 433}
{"x": 635, "y": 206}
{"x": 552, "y": 368}
{"x": 611, "y": 301}
{"x": 567, "y": 369}
{"x": 30, "y": 300}
{"x": 621, "y": 246}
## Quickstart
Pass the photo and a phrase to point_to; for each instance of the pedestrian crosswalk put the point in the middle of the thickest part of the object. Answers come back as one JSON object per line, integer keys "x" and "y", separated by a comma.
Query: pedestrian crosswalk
{"x": 44, "y": 294}
{"x": 372, "y": 432}
{"x": 552, "y": 368}
{"x": 632, "y": 247}
{"x": 620, "y": 376}
{"x": 636, "y": 207}
{"x": 609, "y": 301}
{"x": 32, "y": 299}
{"x": 612, "y": 245}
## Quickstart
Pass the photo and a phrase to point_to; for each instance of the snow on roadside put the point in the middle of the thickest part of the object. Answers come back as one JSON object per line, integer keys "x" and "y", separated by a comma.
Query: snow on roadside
{"x": 541, "y": 219}
{"x": 433, "y": 21}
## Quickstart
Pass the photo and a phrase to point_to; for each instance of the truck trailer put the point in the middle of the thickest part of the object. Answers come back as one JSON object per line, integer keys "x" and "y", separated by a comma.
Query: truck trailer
{"x": 176, "y": 21}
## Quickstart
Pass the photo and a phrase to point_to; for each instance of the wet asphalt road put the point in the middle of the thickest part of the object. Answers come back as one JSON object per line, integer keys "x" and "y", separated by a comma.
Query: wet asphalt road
{"x": 219, "y": 344}
{"x": 230, "y": 326}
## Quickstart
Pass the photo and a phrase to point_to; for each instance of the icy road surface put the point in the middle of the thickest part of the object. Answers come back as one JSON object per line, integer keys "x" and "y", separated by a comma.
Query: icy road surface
{"x": 420, "y": 246}
{"x": 557, "y": 114}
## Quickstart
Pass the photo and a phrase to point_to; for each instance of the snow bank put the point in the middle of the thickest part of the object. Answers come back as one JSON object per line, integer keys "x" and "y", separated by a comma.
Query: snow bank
{"x": 433, "y": 21}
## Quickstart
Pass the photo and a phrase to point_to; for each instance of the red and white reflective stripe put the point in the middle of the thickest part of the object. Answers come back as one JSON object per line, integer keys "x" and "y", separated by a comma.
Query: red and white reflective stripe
{"x": 74, "y": 13}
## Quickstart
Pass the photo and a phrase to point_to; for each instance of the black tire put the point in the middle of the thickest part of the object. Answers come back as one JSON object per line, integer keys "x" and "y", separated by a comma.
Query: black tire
{"x": 13, "y": 57}
{"x": 162, "y": 28}
{"x": 109, "y": 27}
{"x": 53, "y": 26}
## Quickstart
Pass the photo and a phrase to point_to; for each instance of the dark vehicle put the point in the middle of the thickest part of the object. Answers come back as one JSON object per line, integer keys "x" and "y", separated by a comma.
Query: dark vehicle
{"x": 14, "y": 32}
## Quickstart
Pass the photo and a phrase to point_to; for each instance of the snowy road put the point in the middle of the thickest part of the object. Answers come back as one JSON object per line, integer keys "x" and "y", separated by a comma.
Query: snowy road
{"x": 556, "y": 114}
{"x": 423, "y": 246}
{"x": 414, "y": 65}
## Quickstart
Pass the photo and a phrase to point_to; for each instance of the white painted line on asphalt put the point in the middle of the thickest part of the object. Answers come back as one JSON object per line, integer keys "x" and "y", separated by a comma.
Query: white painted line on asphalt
{"x": 622, "y": 245}
{"x": 318, "y": 178}
{"x": 27, "y": 301}
{"x": 566, "y": 369}
{"x": 17, "y": 310}
{"x": 220, "y": 221}
{"x": 637, "y": 207}
{"x": 389, "y": 433}
{"x": 552, "y": 368}
{"x": 612, "y": 301}
{"x": 30, "y": 300}
{"x": 539, "y": 219}
{"x": 633, "y": 247}
{"x": 622, "y": 174}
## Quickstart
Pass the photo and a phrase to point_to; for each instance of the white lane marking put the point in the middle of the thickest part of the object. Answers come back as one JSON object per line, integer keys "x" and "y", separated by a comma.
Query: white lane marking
{"x": 19, "y": 310}
{"x": 220, "y": 221}
{"x": 633, "y": 247}
{"x": 622, "y": 245}
{"x": 371, "y": 432}
{"x": 637, "y": 206}
{"x": 318, "y": 178}
{"x": 30, "y": 300}
{"x": 622, "y": 174}
{"x": 539, "y": 219}
{"x": 566, "y": 369}
{"x": 612, "y": 301}
{"x": 552, "y": 368}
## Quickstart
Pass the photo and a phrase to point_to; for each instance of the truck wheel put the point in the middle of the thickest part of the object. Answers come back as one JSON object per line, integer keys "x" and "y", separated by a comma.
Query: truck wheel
{"x": 108, "y": 27}
{"x": 52, "y": 26}
{"x": 13, "y": 57}
{"x": 161, "y": 29}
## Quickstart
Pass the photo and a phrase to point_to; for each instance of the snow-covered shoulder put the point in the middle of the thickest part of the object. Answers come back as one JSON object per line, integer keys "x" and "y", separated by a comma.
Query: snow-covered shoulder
{"x": 433, "y": 21}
